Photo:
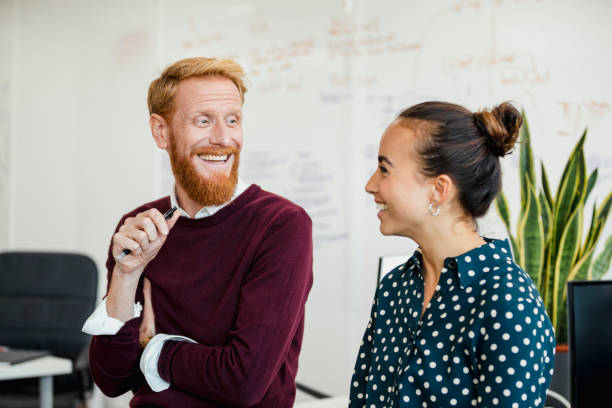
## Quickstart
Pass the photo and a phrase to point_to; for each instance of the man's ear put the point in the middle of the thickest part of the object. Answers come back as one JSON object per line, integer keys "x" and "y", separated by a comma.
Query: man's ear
{"x": 160, "y": 131}
{"x": 442, "y": 188}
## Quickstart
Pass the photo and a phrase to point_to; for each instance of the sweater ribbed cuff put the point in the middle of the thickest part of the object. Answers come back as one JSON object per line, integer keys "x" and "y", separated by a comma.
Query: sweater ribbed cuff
{"x": 126, "y": 335}
{"x": 164, "y": 365}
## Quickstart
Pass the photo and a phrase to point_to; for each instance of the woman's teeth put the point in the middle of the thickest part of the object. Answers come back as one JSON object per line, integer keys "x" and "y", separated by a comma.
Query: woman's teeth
{"x": 381, "y": 206}
{"x": 210, "y": 157}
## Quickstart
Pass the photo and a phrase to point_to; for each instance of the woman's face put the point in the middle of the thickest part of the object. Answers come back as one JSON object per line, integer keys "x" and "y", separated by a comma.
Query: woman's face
{"x": 401, "y": 191}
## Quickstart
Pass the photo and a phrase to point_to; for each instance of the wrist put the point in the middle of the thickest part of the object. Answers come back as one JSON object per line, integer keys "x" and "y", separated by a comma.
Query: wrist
{"x": 127, "y": 277}
{"x": 121, "y": 294}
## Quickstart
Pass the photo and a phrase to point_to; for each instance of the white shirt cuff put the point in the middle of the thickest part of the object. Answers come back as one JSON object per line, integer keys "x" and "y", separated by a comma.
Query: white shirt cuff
{"x": 100, "y": 323}
{"x": 150, "y": 358}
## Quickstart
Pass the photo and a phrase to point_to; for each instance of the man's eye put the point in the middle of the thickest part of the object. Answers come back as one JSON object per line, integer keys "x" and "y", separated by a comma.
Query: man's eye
{"x": 203, "y": 120}
{"x": 232, "y": 120}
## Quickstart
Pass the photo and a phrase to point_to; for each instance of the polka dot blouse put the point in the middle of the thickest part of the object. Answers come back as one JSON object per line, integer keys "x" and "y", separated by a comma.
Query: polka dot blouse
{"x": 484, "y": 340}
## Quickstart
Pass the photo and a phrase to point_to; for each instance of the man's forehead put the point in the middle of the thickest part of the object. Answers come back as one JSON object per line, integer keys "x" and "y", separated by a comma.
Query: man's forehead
{"x": 210, "y": 88}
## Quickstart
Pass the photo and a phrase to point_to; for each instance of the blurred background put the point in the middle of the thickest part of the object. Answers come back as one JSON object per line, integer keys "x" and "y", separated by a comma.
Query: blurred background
{"x": 326, "y": 78}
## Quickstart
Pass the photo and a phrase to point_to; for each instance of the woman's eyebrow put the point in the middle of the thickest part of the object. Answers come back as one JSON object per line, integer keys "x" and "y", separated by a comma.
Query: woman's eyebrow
{"x": 383, "y": 159}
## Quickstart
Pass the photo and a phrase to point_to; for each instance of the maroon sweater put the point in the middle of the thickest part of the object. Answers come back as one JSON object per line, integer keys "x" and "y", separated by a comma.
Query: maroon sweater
{"x": 236, "y": 282}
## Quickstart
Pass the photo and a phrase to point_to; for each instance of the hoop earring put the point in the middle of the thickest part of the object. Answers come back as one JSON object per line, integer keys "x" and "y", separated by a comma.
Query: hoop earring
{"x": 434, "y": 211}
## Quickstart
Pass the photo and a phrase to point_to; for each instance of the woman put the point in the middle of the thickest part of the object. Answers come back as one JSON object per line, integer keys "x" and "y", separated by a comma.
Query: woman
{"x": 460, "y": 324}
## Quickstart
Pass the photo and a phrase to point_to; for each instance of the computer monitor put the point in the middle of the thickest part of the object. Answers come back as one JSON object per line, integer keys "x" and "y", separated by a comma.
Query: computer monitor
{"x": 590, "y": 342}
{"x": 387, "y": 263}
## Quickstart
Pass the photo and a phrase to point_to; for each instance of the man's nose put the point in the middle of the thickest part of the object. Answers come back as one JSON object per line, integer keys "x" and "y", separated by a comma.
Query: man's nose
{"x": 220, "y": 134}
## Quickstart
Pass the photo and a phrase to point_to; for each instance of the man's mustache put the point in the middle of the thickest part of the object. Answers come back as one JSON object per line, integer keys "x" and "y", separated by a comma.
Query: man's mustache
{"x": 215, "y": 151}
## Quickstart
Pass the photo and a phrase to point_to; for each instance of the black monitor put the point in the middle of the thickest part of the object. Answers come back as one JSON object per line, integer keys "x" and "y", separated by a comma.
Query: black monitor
{"x": 590, "y": 342}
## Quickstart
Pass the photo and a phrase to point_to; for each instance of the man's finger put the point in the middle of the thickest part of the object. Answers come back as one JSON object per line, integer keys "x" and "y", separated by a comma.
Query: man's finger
{"x": 158, "y": 220}
{"x": 174, "y": 219}
{"x": 150, "y": 228}
{"x": 124, "y": 242}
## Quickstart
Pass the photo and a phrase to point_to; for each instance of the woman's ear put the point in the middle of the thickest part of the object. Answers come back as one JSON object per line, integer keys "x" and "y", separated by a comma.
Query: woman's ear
{"x": 160, "y": 131}
{"x": 442, "y": 189}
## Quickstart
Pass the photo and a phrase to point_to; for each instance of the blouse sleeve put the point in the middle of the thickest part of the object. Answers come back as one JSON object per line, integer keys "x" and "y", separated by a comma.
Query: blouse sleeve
{"x": 515, "y": 354}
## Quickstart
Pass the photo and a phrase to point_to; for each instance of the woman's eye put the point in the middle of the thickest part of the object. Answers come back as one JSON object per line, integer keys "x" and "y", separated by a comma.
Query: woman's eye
{"x": 382, "y": 169}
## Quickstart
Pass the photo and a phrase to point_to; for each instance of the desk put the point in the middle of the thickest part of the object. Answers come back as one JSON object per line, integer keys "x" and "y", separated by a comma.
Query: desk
{"x": 45, "y": 368}
{"x": 334, "y": 402}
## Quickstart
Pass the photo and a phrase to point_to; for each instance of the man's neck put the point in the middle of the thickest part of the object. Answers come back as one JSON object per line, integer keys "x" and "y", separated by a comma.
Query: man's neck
{"x": 188, "y": 205}
{"x": 194, "y": 209}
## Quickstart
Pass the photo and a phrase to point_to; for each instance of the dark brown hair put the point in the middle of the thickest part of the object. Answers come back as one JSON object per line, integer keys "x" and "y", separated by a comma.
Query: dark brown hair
{"x": 465, "y": 146}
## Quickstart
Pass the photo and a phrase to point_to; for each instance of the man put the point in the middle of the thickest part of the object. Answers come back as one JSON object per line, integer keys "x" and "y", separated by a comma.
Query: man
{"x": 223, "y": 282}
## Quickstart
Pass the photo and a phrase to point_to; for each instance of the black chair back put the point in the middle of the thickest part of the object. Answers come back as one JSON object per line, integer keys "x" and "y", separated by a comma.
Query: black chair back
{"x": 45, "y": 298}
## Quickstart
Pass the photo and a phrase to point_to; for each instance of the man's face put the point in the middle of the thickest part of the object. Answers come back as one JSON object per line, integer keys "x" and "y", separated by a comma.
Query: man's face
{"x": 206, "y": 138}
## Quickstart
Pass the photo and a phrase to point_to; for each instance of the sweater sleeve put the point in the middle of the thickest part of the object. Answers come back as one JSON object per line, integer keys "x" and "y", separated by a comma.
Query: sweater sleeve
{"x": 114, "y": 359}
{"x": 270, "y": 313}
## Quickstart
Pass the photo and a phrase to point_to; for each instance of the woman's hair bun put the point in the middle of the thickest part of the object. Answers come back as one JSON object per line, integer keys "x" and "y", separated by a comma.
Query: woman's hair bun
{"x": 499, "y": 127}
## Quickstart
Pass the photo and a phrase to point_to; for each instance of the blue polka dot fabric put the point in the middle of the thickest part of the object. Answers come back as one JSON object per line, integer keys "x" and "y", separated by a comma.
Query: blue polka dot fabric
{"x": 484, "y": 340}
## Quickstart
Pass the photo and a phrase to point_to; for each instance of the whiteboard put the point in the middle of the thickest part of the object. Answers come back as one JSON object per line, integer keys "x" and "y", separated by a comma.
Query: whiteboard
{"x": 327, "y": 78}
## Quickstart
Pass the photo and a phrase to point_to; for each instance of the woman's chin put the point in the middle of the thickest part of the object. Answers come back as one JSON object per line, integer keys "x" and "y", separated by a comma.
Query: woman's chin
{"x": 385, "y": 230}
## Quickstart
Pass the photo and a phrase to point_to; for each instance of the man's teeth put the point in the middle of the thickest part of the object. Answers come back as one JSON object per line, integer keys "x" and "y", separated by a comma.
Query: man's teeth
{"x": 210, "y": 157}
{"x": 381, "y": 206}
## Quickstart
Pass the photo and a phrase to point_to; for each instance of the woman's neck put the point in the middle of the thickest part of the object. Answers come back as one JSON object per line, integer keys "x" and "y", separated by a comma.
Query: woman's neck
{"x": 437, "y": 244}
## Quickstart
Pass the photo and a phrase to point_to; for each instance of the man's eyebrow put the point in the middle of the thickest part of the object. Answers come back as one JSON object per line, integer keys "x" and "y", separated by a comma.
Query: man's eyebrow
{"x": 383, "y": 159}
{"x": 212, "y": 112}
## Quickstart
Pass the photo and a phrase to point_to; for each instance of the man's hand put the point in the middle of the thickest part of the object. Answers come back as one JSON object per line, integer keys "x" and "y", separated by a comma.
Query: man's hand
{"x": 144, "y": 236}
{"x": 147, "y": 325}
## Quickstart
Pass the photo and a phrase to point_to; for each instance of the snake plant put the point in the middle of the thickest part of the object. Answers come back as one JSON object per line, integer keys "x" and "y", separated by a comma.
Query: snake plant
{"x": 550, "y": 244}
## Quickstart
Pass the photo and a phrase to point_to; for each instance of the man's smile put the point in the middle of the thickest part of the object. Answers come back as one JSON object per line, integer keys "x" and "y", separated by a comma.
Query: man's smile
{"x": 214, "y": 158}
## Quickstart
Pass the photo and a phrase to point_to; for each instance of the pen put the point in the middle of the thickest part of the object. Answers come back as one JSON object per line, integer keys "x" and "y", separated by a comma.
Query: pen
{"x": 167, "y": 215}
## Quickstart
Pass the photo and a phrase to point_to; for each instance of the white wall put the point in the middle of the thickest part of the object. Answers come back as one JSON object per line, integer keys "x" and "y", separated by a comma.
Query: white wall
{"x": 326, "y": 77}
{"x": 6, "y": 51}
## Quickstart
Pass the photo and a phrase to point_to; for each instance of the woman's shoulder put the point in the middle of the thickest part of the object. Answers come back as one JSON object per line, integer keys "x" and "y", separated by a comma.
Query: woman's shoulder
{"x": 510, "y": 281}
{"x": 492, "y": 272}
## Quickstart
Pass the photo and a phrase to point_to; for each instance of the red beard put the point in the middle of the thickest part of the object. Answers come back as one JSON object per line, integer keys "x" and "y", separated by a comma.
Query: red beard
{"x": 215, "y": 190}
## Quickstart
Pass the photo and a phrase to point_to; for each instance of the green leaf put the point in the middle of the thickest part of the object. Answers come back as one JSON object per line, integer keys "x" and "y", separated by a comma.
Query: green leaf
{"x": 526, "y": 171}
{"x": 587, "y": 242}
{"x": 547, "y": 284}
{"x": 546, "y": 186}
{"x": 581, "y": 269}
{"x": 568, "y": 251}
{"x": 501, "y": 203}
{"x": 546, "y": 214}
{"x": 580, "y": 192}
{"x": 604, "y": 210}
{"x": 572, "y": 156}
{"x": 532, "y": 232}
{"x": 601, "y": 265}
{"x": 563, "y": 203}
{"x": 590, "y": 184}
{"x": 600, "y": 220}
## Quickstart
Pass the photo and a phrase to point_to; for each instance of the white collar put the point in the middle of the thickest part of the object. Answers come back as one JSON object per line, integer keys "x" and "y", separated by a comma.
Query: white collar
{"x": 207, "y": 211}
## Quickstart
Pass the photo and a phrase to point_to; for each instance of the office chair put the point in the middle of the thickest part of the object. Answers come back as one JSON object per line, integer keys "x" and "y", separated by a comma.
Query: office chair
{"x": 44, "y": 299}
